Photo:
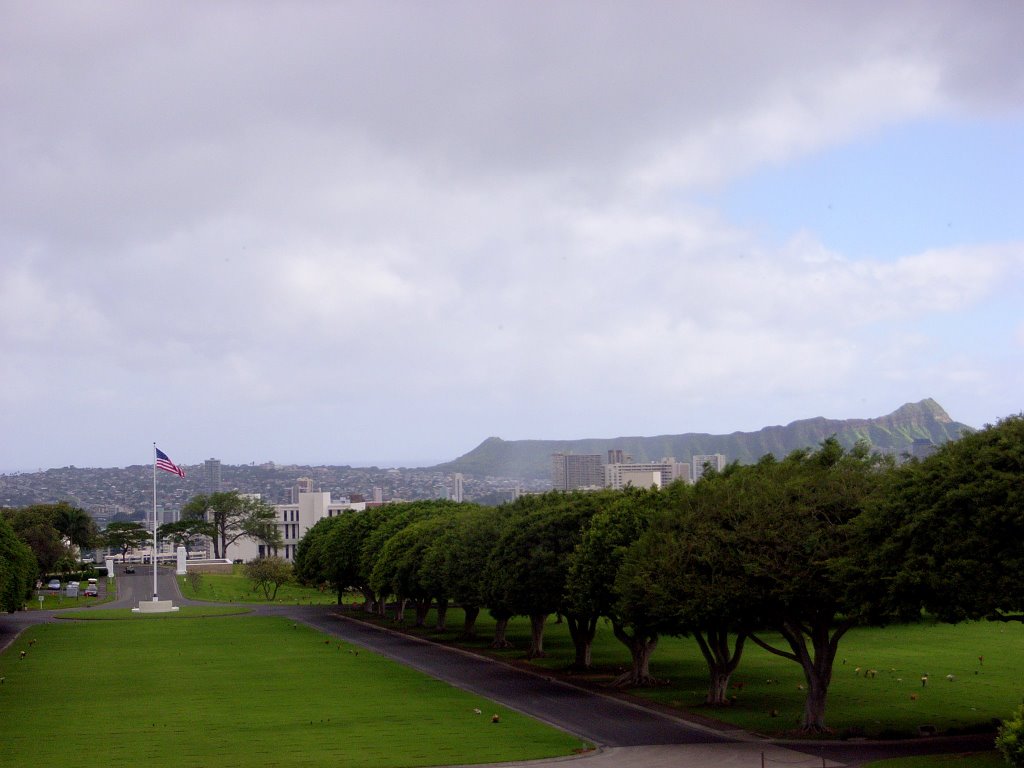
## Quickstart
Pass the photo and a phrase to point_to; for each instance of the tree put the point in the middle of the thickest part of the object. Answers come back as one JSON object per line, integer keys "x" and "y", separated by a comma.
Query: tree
{"x": 458, "y": 557}
{"x": 124, "y": 536}
{"x": 268, "y": 574}
{"x": 689, "y": 579}
{"x": 36, "y": 526}
{"x": 529, "y": 563}
{"x": 226, "y": 516}
{"x": 17, "y": 569}
{"x": 956, "y": 526}
{"x": 399, "y": 568}
{"x": 181, "y": 533}
{"x": 594, "y": 565}
{"x": 391, "y": 568}
{"x": 76, "y": 525}
{"x": 807, "y": 562}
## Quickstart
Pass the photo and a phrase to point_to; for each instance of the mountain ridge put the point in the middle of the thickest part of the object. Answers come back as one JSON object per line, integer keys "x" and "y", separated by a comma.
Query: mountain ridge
{"x": 894, "y": 432}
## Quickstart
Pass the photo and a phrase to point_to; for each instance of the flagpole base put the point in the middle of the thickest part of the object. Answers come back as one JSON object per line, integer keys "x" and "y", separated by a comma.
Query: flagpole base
{"x": 156, "y": 606}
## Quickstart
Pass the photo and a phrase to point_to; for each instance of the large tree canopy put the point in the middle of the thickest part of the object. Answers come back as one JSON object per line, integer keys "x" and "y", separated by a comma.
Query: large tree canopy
{"x": 36, "y": 526}
{"x": 124, "y": 536}
{"x": 955, "y": 525}
{"x": 227, "y": 516}
{"x": 806, "y": 561}
{"x": 17, "y": 569}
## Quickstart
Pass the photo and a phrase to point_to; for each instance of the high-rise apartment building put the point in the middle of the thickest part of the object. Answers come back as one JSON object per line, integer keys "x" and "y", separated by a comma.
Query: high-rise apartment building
{"x": 458, "y": 487}
{"x": 714, "y": 460}
{"x": 570, "y": 471}
{"x": 211, "y": 475}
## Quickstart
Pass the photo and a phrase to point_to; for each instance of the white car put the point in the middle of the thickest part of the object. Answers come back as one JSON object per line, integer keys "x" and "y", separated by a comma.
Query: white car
{"x": 54, "y": 584}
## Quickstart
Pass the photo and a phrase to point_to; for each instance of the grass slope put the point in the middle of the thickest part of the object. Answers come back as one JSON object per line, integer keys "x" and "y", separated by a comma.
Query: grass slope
{"x": 239, "y": 691}
{"x": 235, "y": 588}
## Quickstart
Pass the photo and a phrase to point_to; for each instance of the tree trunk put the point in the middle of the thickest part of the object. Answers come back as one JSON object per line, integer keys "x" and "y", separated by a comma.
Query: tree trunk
{"x": 817, "y": 669}
{"x": 816, "y": 663}
{"x": 582, "y": 630}
{"x": 400, "y": 609}
{"x": 422, "y": 609}
{"x": 714, "y": 645}
{"x": 641, "y": 645}
{"x": 442, "y": 614}
{"x": 537, "y": 621}
{"x": 369, "y": 599}
{"x": 469, "y": 622}
{"x": 500, "y": 627}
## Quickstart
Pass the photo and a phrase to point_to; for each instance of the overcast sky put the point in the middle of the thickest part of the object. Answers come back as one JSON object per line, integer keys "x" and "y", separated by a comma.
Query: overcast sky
{"x": 359, "y": 233}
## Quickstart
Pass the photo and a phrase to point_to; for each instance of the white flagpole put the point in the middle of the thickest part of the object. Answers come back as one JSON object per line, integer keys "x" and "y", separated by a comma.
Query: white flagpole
{"x": 154, "y": 524}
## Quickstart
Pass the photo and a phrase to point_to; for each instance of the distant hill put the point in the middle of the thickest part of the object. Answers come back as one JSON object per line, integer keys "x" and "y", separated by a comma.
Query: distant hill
{"x": 893, "y": 433}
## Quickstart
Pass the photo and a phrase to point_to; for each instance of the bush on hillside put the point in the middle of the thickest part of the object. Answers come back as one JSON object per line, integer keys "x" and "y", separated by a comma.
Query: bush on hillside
{"x": 1010, "y": 739}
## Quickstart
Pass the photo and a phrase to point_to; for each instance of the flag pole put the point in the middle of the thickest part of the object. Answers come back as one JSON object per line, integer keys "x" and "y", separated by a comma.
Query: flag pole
{"x": 154, "y": 524}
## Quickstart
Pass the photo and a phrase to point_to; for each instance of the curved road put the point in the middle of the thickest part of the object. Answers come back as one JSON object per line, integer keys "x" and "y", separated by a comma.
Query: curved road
{"x": 629, "y": 736}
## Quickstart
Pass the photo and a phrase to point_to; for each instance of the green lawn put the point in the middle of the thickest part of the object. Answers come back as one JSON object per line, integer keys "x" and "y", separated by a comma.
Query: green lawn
{"x": 199, "y": 690}
{"x": 892, "y": 703}
{"x": 235, "y": 588}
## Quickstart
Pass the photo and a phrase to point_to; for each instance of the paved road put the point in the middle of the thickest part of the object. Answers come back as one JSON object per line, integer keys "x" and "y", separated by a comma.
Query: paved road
{"x": 629, "y": 736}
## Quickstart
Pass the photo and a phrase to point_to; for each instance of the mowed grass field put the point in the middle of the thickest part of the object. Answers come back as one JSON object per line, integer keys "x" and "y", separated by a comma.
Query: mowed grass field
{"x": 200, "y": 690}
{"x": 235, "y": 588}
{"x": 768, "y": 697}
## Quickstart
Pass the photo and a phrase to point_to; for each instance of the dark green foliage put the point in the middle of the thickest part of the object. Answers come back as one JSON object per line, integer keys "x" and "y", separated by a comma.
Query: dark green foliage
{"x": 1010, "y": 739}
{"x": 17, "y": 569}
{"x": 957, "y": 525}
{"x": 268, "y": 574}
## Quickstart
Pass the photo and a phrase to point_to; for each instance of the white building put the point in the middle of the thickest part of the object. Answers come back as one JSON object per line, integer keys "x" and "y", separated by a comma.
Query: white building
{"x": 715, "y": 460}
{"x": 458, "y": 488}
{"x": 645, "y": 474}
{"x": 293, "y": 520}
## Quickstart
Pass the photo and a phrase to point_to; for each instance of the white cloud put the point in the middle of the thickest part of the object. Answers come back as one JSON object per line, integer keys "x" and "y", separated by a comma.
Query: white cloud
{"x": 481, "y": 213}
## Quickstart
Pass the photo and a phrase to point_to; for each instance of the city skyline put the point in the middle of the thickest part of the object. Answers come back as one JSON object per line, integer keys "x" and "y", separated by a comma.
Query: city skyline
{"x": 412, "y": 228}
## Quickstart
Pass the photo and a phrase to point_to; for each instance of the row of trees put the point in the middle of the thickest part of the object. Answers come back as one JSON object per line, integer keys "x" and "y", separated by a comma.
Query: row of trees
{"x": 786, "y": 554}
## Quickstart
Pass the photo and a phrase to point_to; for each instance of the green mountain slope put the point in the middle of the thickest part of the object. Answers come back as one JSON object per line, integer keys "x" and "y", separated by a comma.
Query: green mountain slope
{"x": 892, "y": 433}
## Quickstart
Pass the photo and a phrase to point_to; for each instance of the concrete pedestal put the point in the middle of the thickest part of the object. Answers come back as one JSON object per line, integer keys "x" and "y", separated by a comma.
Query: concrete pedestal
{"x": 155, "y": 606}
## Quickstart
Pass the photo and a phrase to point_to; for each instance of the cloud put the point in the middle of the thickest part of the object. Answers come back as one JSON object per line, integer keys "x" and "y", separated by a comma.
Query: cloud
{"x": 485, "y": 215}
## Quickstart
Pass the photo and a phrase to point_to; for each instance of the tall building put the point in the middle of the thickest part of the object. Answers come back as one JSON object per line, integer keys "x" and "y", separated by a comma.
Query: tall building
{"x": 620, "y": 474}
{"x": 570, "y": 471}
{"x": 458, "y": 487}
{"x": 294, "y": 520}
{"x": 302, "y": 485}
{"x": 211, "y": 475}
{"x": 715, "y": 460}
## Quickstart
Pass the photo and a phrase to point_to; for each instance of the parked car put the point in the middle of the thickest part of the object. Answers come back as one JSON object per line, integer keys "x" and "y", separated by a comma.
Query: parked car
{"x": 92, "y": 591}
{"x": 129, "y": 569}
{"x": 54, "y": 584}
{"x": 73, "y": 585}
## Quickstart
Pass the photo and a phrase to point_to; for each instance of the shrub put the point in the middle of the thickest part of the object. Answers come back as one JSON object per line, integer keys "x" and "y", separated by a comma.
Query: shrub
{"x": 1010, "y": 739}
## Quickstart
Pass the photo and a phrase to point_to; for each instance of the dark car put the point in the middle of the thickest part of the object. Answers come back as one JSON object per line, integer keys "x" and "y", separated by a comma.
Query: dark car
{"x": 129, "y": 569}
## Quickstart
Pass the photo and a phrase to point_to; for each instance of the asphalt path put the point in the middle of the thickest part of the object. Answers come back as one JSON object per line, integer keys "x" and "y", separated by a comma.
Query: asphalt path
{"x": 628, "y": 735}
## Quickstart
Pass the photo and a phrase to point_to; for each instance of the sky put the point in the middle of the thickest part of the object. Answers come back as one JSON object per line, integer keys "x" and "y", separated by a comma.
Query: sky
{"x": 382, "y": 232}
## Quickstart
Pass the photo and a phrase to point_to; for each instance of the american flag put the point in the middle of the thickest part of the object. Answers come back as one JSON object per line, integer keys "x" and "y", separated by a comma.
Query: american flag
{"x": 164, "y": 462}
